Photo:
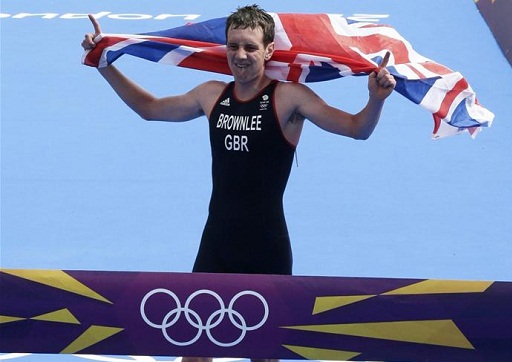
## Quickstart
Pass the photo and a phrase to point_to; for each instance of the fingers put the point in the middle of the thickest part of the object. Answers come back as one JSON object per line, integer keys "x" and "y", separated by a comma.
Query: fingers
{"x": 95, "y": 24}
{"x": 385, "y": 61}
{"x": 386, "y": 80}
{"x": 383, "y": 64}
{"x": 381, "y": 82}
{"x": 383, "y": 76}
{"x": 88, "y": 43}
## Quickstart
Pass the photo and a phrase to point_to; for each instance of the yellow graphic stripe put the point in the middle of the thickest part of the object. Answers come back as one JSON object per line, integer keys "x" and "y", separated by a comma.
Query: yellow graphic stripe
{"x": 60, "y": 316}
{"x": 56, "y": 279}
{"x": 324, "y": 304}
{"x": 327, "y": 303}
{"x": 433, "y": 332}
{"x": 442, "y": 287}
{"x": 322, "y": 354}
{"x": 93, "y": 335}
{"x": 9, "y": 319}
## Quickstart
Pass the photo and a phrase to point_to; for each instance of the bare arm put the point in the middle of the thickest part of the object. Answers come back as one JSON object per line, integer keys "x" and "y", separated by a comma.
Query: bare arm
{"x": 174, "y": 109}
{"x": 358, "y": 126}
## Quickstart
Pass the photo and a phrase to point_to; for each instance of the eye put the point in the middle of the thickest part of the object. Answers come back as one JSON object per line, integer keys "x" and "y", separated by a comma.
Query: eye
{"x": 232, "y": 46}
{"x": 250, "y": 48}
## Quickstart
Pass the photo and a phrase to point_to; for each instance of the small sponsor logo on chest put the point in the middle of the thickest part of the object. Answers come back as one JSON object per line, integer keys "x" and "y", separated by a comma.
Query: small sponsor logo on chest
{"x": 264, "y": 102}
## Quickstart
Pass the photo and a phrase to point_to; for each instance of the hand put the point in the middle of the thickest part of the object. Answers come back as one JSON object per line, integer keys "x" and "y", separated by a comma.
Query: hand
{"x": 88, "y": 43}
{"x": 380, "y": 82}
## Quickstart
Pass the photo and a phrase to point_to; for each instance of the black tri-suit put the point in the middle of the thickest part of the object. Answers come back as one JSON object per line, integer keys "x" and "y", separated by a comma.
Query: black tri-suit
{"x": 246, "y": 230}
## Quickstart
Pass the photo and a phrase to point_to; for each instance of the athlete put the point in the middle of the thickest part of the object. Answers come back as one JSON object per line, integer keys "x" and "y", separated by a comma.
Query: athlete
{"x": 255, "y": 124}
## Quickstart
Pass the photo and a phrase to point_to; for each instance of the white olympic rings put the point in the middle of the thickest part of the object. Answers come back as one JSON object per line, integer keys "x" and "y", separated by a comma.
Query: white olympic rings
{"x": 194, "y": 319}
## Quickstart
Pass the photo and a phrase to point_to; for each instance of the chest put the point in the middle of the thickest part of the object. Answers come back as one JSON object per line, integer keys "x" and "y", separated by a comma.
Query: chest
{"x": 243, "y": 126}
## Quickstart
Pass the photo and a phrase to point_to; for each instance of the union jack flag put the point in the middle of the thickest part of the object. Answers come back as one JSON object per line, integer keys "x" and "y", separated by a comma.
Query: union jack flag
{"x": 313, "y": 48}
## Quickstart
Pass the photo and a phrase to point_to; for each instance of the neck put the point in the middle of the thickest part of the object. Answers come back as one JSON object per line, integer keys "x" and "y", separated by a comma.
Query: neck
{"x": 247, "y": 90}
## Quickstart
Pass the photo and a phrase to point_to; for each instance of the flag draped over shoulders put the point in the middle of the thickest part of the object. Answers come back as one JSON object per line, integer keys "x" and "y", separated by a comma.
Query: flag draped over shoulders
{"x": 313, "y": 48}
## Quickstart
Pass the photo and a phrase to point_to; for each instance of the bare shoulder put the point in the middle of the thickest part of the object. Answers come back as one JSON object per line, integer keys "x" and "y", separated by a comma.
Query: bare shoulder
{"x": 211, "y": 88}
{"x": 291, "y": 87}
{"x": 207, "y": 94}
{"x": 293, "y": 97}
{"x": 295, "y": 91}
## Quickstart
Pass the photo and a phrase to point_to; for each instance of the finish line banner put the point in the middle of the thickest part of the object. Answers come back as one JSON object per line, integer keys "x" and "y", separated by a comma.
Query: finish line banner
{"x": 254, "y": 316}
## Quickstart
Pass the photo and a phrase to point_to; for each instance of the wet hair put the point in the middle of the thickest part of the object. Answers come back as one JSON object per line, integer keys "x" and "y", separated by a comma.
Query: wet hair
{"x": 252, "y": 16}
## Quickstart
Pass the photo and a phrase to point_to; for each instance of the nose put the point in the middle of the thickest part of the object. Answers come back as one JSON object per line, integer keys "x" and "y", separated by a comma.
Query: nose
{"x": 241, "y": 53}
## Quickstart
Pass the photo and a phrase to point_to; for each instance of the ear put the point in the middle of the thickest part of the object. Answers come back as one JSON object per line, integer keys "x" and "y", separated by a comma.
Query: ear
{"x": 269, "y": 51}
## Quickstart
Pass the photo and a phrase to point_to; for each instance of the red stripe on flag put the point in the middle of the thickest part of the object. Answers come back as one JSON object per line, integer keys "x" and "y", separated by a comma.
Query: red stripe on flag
{"x": 437, "y": 124}
{"x": 416, "y": 71}
{"x": 294, "y": 73}
{"x": 93, "y": 57}
{"x": 437, "y": 68}
{"x": 450, "y": 96}
{"x": 307, "y": 32}
{"x": 209, "y": 60}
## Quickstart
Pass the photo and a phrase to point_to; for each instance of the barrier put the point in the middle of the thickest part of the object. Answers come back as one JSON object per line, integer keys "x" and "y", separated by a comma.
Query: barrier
{"x": 254, "y": 316}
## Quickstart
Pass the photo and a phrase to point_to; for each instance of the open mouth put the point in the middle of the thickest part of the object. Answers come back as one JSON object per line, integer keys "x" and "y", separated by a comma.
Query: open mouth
{"x": 241, "y": 66}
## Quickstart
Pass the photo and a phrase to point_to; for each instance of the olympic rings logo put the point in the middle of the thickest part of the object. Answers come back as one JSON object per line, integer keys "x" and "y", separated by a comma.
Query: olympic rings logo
{"x": 195, "y": 320}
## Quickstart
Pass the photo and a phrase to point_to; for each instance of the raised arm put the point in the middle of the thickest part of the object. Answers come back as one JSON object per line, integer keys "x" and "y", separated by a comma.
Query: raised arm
{"x": 358, "y": 126}
{"x": 174, "y": 109}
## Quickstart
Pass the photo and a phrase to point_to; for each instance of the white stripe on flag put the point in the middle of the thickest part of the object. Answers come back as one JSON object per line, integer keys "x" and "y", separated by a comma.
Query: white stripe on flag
{"x": 437, "y": 93}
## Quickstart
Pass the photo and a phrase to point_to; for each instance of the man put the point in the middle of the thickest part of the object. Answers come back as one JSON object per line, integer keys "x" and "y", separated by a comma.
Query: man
{"x": 253, "y": 142}
{"x": 255, "y": 125}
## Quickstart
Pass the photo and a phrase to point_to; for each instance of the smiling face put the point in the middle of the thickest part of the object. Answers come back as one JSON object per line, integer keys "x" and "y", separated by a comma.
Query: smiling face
{"x": 247, "y": 54}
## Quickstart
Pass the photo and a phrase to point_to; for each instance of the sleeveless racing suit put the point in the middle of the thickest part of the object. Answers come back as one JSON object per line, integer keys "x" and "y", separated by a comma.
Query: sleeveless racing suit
{"x": 246, "y": 230}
